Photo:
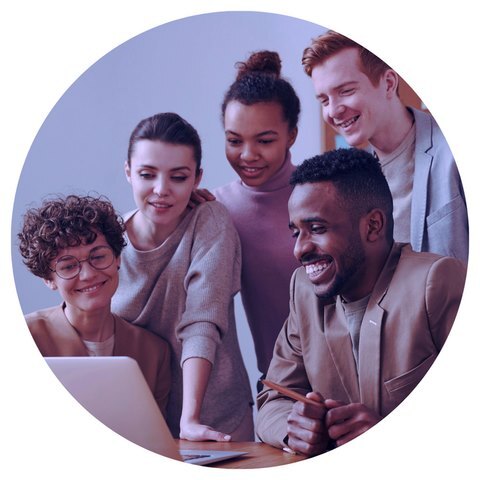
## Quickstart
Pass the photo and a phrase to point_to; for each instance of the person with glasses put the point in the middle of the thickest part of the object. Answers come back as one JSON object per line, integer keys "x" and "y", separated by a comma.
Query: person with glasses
{"x": 74, "y": 245}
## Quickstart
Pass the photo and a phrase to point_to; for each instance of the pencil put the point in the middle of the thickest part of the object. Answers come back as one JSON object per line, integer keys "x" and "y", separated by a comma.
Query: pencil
{"x": 289, "y": 393}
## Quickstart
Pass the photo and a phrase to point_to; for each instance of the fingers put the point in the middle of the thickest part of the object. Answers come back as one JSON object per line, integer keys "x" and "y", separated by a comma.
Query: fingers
{"x": 315, "y": 396}
{"x": 346, "y": 422}
{"x": 306, "y": 427}
{"x": 198, "y": 433}
{"x": 201, "y": 195}
{"x": 217, "y": 436}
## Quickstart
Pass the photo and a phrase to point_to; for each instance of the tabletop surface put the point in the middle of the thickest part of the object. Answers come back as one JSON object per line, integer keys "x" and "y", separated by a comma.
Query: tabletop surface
{"x": 259, "y": 454}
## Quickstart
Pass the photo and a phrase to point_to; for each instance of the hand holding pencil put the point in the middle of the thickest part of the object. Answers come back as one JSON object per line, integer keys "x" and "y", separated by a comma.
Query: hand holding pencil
{"x": 306, "y": 429}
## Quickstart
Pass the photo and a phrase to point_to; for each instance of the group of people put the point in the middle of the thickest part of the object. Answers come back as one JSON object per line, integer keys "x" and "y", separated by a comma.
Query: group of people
{"x": 350, "y": 307}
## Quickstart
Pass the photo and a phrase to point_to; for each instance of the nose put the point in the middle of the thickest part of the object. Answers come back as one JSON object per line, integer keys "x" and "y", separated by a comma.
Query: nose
{"x": 249, "y": 153}
{"x": 335, "y": 108}
{"x": 86, "y": 270}
{"x": 161, "y": 187}
{"x": 303, "y": 246}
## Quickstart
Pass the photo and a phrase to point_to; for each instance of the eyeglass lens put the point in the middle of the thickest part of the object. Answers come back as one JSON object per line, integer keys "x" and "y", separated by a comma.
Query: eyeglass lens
{"x": 69, "y": 266}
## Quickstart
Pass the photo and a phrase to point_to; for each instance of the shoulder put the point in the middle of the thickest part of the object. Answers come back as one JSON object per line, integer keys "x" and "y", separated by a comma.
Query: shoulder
{"x": 211, "y": 215}
{"x": 435, "y": 268}
{"x": 41, "y": 318}
{"x": 225, "y": 191}
{"x": 428, "y": 135}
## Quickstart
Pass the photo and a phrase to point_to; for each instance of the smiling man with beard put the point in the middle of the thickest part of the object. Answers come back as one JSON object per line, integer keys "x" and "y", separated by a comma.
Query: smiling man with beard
{"x": 368, "y": 316}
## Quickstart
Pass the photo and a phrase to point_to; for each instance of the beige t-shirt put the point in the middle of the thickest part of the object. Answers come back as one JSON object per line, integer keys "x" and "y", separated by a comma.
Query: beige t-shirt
{"x": 398, "y": 168}
{"x": 100, "y": 349}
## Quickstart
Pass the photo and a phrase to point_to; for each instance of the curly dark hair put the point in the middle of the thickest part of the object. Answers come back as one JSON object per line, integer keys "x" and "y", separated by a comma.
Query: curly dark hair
{"x": 259, "y": 80}
{"x": 357, "y": 176}
{"x": 64, "y": 222}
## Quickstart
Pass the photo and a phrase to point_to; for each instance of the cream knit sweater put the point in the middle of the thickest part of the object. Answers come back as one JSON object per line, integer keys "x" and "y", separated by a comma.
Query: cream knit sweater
{"x": 183, "y": 291}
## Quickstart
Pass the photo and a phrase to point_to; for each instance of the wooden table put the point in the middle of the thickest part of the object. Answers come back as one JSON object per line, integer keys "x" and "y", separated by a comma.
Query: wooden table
{"x": 259, "y": 454}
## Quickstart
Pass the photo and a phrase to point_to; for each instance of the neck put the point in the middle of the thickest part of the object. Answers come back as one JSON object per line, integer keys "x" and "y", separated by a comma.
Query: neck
{"x": 91, "y": 326}
{"x": 394, "y": 130}
{"x": 145, "y": 235}
{"x": 372, "y": 267}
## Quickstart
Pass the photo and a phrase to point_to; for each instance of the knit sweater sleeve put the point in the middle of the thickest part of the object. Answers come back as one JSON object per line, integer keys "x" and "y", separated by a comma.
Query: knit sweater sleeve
{"x": 212, "y": 280}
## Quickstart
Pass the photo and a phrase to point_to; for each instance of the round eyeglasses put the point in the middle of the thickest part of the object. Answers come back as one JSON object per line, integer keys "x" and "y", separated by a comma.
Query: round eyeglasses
{"x": 68, "y": 266}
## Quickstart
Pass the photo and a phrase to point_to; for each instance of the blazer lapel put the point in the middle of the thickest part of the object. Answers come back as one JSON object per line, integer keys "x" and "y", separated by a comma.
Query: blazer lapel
{"x": 340, "y": 345}
{"x": 370, "y": 356}
{"x": 370, "y": 347}
{"x": 423, "y": 161}
{"x": 66, "y": 338}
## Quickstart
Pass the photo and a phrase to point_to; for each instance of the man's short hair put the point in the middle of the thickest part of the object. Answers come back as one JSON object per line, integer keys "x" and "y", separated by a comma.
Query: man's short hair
{"x": 357, "y": 176}
{"x": 330, "y": 43}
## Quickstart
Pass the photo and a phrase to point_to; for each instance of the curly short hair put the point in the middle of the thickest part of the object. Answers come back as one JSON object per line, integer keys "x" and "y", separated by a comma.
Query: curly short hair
{"x": 64, "y": 222}
{"x": 356, "y": 174}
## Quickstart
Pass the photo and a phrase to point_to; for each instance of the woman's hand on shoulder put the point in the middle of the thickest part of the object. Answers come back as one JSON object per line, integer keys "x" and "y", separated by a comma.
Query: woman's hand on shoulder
{"x": 197, "y": 432}
{"x": 200, "y": 195}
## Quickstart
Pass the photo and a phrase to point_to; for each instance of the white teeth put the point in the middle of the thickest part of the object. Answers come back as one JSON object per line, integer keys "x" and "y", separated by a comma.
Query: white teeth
{"x": 90, "y": 289}
{"x": 316, "y": 268}
{"x": 348, "y": 122}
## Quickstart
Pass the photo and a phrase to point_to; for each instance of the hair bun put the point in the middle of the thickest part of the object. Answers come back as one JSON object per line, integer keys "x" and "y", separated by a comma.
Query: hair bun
{"x": 260, "y": 62}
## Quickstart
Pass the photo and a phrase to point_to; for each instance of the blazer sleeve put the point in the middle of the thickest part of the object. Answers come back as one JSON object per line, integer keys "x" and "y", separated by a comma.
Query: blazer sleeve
{"x": 444, "y": 289}
{"x": 286, "y": 368}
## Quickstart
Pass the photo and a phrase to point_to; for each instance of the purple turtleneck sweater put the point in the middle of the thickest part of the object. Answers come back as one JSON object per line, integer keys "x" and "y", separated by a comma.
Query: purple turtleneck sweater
{"x": 260, "y": 216}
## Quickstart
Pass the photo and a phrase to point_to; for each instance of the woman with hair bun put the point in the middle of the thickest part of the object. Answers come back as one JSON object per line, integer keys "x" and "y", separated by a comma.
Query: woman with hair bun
{"x": 260, "y": 113}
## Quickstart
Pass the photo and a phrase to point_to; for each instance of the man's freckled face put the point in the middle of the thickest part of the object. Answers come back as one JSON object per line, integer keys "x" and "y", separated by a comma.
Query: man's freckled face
{"x": 351, "y": 104}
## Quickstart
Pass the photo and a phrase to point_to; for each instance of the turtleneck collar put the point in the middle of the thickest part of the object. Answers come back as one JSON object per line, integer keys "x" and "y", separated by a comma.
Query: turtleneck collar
{"x": 280, "y": 180}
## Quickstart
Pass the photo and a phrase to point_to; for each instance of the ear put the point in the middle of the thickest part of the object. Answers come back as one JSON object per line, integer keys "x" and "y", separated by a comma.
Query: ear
{"x": 198, "y": 179}
{"x": 50, "y": 283}
{"x": 375, "y": 225}
{"x": 391, "y": 80}
{"x": 128, "y": 172}
{"x": 292, "y": 136}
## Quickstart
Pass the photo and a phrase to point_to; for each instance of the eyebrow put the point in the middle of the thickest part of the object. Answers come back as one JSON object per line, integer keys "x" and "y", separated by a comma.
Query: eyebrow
{"x": 151, "y": 167}
{"x": 308, "y": 220}
{"x": 266, "y": 132}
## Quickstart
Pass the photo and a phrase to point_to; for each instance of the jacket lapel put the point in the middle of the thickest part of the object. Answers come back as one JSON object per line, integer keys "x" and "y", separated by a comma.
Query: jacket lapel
{"x": 370, "y": 356}
{"x": 423, "y": 161}
{"x": 66, "y": 338}
{"x": 371, "y": 341}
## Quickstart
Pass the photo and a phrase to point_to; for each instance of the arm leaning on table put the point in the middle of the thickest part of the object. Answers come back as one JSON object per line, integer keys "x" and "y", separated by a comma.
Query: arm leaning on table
{"x": 283, "y": 422}
{"x": 211, "y": 361}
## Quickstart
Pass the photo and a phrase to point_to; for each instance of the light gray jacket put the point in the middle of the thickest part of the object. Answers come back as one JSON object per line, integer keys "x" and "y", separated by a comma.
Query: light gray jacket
{"x": 439, "y": 211}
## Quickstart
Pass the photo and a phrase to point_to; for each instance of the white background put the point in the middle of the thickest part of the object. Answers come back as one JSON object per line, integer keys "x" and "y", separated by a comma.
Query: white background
{"x": 45, "y": 47}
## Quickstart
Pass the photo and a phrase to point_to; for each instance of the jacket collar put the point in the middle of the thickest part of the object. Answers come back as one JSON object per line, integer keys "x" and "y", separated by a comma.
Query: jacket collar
{"x": 362, "y": 386}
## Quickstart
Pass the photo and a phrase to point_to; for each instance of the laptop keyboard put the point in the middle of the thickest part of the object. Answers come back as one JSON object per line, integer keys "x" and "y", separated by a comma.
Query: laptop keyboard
{"x": 193, "y": 456}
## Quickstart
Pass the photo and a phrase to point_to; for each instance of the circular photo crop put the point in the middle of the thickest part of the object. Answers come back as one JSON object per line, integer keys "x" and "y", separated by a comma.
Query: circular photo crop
{"x": 240, "y": 239}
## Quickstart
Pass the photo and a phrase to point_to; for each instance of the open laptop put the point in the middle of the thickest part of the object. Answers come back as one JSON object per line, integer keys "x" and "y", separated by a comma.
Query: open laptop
{"x": 114, "y": 390}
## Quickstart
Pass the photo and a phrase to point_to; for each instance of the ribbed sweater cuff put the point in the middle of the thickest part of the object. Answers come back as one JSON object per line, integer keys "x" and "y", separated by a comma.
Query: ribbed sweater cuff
{"x": 199, "y": 346}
